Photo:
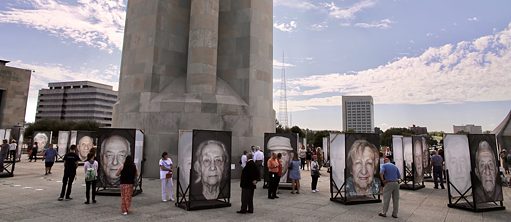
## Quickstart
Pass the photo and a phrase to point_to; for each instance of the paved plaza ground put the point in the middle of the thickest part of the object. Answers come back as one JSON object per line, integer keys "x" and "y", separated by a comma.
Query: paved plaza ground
{"x": 31, "y": 196}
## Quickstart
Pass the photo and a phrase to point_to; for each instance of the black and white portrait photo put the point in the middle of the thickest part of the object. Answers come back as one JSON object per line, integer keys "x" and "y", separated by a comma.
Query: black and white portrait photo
{"x": 457, "y": 162}
{"x": 211, "y": 174}
{"x": 487, "y": 185}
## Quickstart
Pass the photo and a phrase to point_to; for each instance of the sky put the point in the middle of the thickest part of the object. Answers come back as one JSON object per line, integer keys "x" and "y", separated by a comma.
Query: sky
{"x": 432, "y": 63}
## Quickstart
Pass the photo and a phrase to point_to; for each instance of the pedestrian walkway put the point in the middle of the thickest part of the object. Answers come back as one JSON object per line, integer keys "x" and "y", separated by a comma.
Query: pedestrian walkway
{"x": 32, "y": 196}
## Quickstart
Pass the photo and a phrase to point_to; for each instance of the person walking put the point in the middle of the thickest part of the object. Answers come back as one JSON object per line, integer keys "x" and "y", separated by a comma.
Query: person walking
{"x": 302, "y": 154}
{"x": 438, "y": 163}
{"x": 128, "y": 173}
{"x": 91, "y": 171}
{"x": 49, "y": 159}
{"x": 12, "y": 150}
{"x": 249, "y": 177}
{"x": 243, "y": 159}
{"x": 70, "y": 164}
{"x": 390, "y": 175}
{"x": 314, "y": 173}
{"x": 294, "y": 174}
{"x": 273, "y": 170}
{"x": 166, "y": 177}
{"x": 33, "y": 153}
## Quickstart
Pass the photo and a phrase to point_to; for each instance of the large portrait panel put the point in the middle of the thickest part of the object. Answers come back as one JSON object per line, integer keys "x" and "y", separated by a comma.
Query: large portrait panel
{"x": 63, "y": 142}
{"x": 485, "y": 164}
{"x": 211, "y": 158}
{"x": 457, "y": 162}
{"x": 85, "y": 141}
{"x": 426, "y": 156}
{"x": 284, "y": 144}
{"x": 417, "y": 160}
{"x": 337, "y": 158}
{"x": 326, "y": 149}
{"x": 397, "y": 153}
{"x": 114, "y": 146}
{"x": 362, "y": 164}
{"x": 184, "y": 154}
{"x": 407, "y": 153}
{"x": 42, "y": 138}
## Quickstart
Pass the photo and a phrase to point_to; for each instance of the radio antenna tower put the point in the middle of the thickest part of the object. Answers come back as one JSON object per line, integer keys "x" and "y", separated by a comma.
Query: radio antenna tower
{"x": 283, "y": 96}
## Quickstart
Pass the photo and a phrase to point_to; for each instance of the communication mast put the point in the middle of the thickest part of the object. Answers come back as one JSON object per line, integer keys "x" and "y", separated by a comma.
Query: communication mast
{"x": 283, "y": 116}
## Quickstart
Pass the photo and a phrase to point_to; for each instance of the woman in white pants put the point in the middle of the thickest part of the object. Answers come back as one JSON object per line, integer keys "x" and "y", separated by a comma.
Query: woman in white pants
{"x": 166, "y": 177}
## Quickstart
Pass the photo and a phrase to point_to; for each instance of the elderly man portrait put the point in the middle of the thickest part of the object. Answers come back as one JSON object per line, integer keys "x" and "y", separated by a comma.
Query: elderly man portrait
{"x": 85, "y": 144}
{"x": 114, "y": 150}
{"x": 211, "y": 168}
{"x": 362, "y": 165}
{"x": 487, "y": 187}
{"x": 281, "y": 145}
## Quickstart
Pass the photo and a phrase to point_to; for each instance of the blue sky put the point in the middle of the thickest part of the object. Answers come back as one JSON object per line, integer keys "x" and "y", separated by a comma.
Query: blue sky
{"x": 430, "y": 63}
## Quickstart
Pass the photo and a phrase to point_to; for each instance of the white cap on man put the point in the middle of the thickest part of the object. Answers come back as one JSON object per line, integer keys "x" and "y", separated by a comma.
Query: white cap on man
{"x": 279, "y": 143}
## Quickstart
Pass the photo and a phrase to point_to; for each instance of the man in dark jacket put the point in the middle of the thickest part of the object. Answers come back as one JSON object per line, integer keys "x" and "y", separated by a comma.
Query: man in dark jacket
{"x": 70, "y": 164}
{"x": 249, "y": 177}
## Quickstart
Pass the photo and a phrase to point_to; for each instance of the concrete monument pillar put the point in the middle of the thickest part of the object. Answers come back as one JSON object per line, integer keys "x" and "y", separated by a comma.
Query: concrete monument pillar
{"x": 196, "y": 64}
{"x": 202, "y": 46}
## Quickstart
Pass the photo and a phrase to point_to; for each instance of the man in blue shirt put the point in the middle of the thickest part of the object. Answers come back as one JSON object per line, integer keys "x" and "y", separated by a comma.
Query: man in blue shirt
{"x": 49, "y": 159}
{"x": 390, "y": 175}
{"x": 438, "y": 162}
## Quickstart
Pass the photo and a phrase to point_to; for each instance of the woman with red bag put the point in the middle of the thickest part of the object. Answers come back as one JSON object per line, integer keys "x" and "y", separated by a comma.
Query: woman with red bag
{"x": 166, "y": 177}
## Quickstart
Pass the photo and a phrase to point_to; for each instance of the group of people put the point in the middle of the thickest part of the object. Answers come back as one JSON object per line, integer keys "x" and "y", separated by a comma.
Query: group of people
{"x": 307, "y": 154}
{"x": 127, "y": 173}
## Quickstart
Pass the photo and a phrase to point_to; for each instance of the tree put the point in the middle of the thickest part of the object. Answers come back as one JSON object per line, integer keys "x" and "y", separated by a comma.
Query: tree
{"x": 59, "y": 125}
{"x": 386, "y": 137}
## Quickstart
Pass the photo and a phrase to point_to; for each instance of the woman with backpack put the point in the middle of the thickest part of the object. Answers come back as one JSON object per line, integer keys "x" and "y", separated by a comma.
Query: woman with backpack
{"x": 91, "y": 171}
{"x": 128, "y": 173}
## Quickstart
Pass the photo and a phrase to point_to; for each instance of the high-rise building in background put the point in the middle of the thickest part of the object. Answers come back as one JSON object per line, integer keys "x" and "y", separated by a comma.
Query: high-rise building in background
{"x": 77, "y": 101}
{"x": 358, "y": 114}
{"x": 14, "y": 85}
{"x": 469, "y": 128}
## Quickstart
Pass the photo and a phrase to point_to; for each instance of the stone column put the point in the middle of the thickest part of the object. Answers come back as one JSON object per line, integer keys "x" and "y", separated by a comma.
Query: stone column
{"x": 203, "y": 47}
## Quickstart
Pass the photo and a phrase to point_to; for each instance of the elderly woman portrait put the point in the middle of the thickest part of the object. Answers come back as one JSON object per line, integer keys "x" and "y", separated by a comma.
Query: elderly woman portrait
{"x": 486, "y": 171}
{"x": 363, "y": 167}
{"x": 114, "y": 151}
{"x": 211, "y": 169}
{"x": 42, "y": 140}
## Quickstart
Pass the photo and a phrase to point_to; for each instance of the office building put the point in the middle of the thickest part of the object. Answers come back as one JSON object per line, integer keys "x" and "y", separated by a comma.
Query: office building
{"x": 358, "y": 114}
{"x": 469, "y": 128}
{"x": 77, "y": 101}
{"x": 14, "y": 86}
{"x": 419, "y": 130}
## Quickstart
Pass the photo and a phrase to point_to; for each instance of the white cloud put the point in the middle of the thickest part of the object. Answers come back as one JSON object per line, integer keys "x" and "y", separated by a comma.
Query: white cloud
{"x": 96, "y": 23}
{"x": 469, "y": 71}
{"x": 299, "y": 4}
{"x": 285, "y": 27}
{"x": 319, "y": 27}
{"x": 382, "y": 24}
{"x": 46, "y": 73}
{"x": 279, "y": 64}
{"x": 349, "y": 12}
{"x": 473, "y": 19}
